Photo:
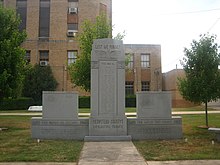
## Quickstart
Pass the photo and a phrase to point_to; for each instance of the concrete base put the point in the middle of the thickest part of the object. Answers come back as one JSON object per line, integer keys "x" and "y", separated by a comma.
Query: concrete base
{"x": 59, "y": 129}
{"x": 137, "y": 129}
{"x": 107, "y": 138}
{"x": 155, "y": 129}
{"x": 217, "y": 132}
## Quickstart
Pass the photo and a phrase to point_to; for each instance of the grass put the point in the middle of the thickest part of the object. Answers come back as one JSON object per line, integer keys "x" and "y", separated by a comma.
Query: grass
{"x": 198, "y": 145}
{"x": 133, "y": 109}
{"x": 17, "y": 145}
{"x": 196, "y": 108}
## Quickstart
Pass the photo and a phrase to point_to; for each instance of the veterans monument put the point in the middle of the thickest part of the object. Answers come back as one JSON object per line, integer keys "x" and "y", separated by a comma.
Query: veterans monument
{"x": 107, "y": 91}
{"x": 107, "y": 121}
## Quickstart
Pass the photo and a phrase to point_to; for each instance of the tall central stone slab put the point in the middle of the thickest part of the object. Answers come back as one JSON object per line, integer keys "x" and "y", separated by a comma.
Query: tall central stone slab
{"x": 108, "y": 89}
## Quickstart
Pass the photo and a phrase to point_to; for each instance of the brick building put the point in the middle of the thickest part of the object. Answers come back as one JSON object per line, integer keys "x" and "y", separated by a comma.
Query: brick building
{"x": 143, "y": 72}
{"x": 170, "y": 80}
{"x": 51, "y": 26}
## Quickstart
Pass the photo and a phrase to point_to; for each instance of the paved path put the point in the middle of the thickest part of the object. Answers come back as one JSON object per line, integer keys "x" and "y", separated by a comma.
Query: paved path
{"x": 110, "y": 153}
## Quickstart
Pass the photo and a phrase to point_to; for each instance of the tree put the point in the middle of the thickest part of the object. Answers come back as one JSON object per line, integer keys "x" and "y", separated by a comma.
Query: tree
{"x": 80, "y": 70}
{"x": 11, "y": 54}
{"x": 38, "y": 79}
{"x": 202, "y": 81}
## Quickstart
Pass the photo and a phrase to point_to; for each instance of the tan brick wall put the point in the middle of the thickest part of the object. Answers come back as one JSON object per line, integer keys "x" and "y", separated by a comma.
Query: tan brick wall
{"x": 170, "y": 80}
{"x": 58, "y": 19}
{"x": 32, "y": 19}
{"x": 10, "y": 4}
{"x": 58, "y": 43}
{"x": 145, "y": 74}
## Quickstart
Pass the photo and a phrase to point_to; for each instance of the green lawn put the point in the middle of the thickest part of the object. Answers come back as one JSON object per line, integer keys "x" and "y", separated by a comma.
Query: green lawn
{"x": 17, "y": 145}
{"x": 198, "y": 145}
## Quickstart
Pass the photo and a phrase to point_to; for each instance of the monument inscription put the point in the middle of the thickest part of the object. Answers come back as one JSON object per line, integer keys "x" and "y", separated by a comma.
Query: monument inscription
{"x": 107, "y": 89}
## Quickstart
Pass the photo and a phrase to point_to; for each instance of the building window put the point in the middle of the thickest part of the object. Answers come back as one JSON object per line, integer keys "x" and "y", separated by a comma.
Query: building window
{"x": 44, "y": 57}
{"x": 44, "y": 19}
{"x": 129, "y": 87}
{"x": 28, "y": 56}
{"x": 72, "y": 29}
{"x": 73, "y": 26}
{"x": 145, "y": 86}
{"x": 130, "y": 60}
{"x": 22, "y": 12}
{"x": 145, "y": 60}
{"x": 72, "y": 56}
{"x": 73, "y": 6}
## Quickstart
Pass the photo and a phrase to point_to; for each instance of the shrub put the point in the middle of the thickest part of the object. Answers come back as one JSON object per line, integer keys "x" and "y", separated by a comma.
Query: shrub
{"x": 84, "y": 102}
{"x": 130, "y": 101}
{"x": 16, "y": 104}
{"x": 38, "y": 79}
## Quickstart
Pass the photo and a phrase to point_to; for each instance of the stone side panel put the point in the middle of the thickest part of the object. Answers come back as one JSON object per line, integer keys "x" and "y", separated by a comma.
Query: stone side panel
{"x": 58, "y": 129}
{"x": 155, "y": 129}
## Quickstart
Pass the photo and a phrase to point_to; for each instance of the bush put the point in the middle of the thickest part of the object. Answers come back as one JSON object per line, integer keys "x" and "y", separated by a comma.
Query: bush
{"x": 130, "y": 101}
{"x": 84, "y": 102}
{"x": 38, "y": 79}
{"x": 16, "y": 104}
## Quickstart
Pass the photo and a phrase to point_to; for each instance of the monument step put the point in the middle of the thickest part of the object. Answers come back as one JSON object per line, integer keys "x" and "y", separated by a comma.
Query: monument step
{"x": 107, "y": 138}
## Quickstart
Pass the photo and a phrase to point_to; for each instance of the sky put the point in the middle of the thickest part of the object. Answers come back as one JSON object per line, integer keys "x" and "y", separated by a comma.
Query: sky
{"x": 173, "y": 24}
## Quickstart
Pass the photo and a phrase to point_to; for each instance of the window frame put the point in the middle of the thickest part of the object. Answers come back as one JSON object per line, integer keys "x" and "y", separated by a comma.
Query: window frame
{"x": 129, "y": 87}
{"x": 145, "y": 86}
{"x": 43, "y": 53}
{"x": 71, "y": 60}
{"x": 145, "y": 60}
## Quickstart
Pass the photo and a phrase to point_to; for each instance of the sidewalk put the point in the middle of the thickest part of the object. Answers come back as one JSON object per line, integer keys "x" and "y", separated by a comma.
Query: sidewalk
{"x": 110, "y": 153}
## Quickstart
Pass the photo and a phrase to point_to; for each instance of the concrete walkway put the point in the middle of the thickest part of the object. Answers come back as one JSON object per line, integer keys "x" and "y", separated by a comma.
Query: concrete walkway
{"x": 110, "y": 153}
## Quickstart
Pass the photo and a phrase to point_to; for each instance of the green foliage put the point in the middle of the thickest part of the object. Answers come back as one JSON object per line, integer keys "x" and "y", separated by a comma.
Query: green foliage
{"x": 130, "y": 101}
{"x": 16, "y": 104}
{"x": 11, "y": 54}
{"x": 202, "y": 82}
{"x": 84, "y": 102}
{"x": 38, "y": 79}
{"x": 80, "y": 71}
{"x": 120, "y": 36}
{"x": 18, "y": 146}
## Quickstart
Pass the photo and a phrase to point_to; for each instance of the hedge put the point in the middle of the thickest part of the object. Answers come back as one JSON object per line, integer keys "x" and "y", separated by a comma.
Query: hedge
{"x": 24, "y": 103}
{"x": 84, "y": 101}
{"x": 130, "y": 101}
{"x": 16, "y": 104}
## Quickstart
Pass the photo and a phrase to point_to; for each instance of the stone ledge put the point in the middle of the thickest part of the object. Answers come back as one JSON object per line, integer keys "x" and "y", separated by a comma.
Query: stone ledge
{"x": 107, "y": 138}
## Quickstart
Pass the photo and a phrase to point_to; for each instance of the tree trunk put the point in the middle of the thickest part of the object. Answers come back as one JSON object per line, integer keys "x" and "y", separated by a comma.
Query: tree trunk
{"x": 206, "y": 114}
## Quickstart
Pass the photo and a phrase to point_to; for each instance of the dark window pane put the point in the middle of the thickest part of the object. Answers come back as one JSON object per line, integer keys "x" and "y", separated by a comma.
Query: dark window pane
{"x": 72, "y": 26}
{"x": 145, "y": 86}
{"x": 22, "y": 12}
{"x": 44, "y": 55}
{"x": 28, "y": 56}
{"x": 129, "y": 87}
{"x": 44, "y": 22}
